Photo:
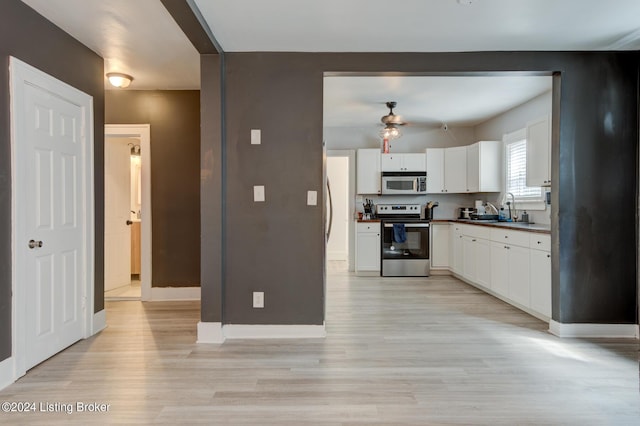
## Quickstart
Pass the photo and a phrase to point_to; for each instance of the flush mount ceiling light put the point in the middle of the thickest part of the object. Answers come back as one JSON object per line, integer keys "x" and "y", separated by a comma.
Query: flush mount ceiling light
{"x": 118, "y": 79}
{"x": 391, "y": 122}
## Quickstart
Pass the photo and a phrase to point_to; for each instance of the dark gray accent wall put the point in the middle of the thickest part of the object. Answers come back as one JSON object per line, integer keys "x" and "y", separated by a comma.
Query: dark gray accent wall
{"x": 29, "y": 37}
{"x": 277, "y": 246}
{"x": 211, "y": 189}
{"x": 174, "y": 116}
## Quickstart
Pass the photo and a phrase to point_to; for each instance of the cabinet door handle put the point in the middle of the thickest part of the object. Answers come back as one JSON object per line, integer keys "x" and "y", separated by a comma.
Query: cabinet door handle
{"x": 539, "y": 242}
{"x": 473, "y": 240}
{"x": 548, "y": 255}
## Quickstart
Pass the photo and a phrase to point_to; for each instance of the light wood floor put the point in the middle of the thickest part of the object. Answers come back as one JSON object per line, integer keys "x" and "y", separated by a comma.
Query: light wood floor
{"x": 397, "y": 351}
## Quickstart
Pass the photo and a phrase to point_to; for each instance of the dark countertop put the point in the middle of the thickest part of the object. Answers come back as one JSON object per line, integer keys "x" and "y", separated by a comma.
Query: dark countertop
{"x": 516, "y": 226}
{"x": 367, "y": 220}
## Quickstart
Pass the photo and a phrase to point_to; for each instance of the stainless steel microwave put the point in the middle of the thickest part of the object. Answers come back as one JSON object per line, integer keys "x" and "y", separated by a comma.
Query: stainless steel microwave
{"x": 404, "y": 183}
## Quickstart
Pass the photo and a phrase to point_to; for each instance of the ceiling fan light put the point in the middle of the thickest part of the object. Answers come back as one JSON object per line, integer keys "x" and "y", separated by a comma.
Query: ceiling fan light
{"x": 390, "y": 131}
{"x": 119, "y": 80}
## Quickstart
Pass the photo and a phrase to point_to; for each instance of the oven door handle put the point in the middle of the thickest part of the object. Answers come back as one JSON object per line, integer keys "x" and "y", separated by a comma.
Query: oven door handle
{"x": 409, "y": 225}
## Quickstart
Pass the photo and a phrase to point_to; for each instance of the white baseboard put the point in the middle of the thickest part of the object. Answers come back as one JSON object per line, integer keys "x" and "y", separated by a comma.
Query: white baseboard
{"x": 246, "y": 331}
{"x": 160, "y": 294}
{"x": 99, "y": 321}
{"x": 594, "y": 330}
{"x": 210, "y": 332}
{"x": 6, "y": 373}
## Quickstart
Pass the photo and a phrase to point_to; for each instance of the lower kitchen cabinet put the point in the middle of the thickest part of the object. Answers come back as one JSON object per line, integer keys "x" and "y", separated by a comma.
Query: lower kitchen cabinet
{"x": 514, "y": 265}
{"x": 440, "y": 241}
{"x": 483, "y": 262}
{"x": 455, "y": 246}
{"x": 368, "y": 247}
{"x": 540, "y": 281}
{"x": 499, "y": 268}
{"x": 519, "y": 274}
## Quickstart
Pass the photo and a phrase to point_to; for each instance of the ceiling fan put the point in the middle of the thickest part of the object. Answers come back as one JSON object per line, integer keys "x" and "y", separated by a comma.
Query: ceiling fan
{"x": 391, "y": 123}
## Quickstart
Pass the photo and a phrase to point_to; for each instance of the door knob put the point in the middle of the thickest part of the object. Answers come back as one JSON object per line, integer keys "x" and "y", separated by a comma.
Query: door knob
{"x": 33, "y": 244}
{"x": 129, "y": 222}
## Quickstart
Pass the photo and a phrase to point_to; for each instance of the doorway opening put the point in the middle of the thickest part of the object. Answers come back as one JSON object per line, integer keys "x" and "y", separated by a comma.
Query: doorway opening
{"x": 127, "y": 212}
{"x": 340, "y": 169}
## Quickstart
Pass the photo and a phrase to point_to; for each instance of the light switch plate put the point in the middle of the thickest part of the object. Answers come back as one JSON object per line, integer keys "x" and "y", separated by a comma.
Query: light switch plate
{"x": 255, "y": 137}
{"x": 258, "y": 299}
{"x": 312, "y": 198}
{"x": 258, "y": 193}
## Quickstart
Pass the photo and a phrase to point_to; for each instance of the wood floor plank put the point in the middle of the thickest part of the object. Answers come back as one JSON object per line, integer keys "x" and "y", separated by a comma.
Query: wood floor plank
{"x": 412, "y": 351}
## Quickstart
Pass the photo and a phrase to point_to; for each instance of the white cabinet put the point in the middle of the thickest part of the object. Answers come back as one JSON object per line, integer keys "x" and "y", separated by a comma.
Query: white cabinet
{"x": 476, "y": 253}
{"x": 455, "y": 169}
{"x": 519, "y": 274}
{"x": 468, "y": 258}
{"x": 474, "y": 168}
{"x": 539, "y": 152}
{"x": 483, "y": 262}
{"x": 515, "y": 265}
{"x": 403, "y": 163}
{"x": 540, "y": 274}
{"x": 440, "y": 241}
{"x": 456, "y": 255}
{"x": 484, "y": 166}
{"x": 510, "y": 265}
{"x": 499, "y": 268}
{"x": 435, "y": 170}
{"x": 367, "y": 247}
{"x": 368, "y": 180}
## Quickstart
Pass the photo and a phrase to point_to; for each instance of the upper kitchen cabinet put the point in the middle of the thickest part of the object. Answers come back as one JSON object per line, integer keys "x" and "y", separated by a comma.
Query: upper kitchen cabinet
{"x": 404, "y": 163}
{"x": 446, "y": 170}
{"x": 455, "y": 169}
{"x": 539, "y": 152}
{"x": 368, "y": 170}
{"x": 484, "y": 166}
{"x": 435, "y": 170}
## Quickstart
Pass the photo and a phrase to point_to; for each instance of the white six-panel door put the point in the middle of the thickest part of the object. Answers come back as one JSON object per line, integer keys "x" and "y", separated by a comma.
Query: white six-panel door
{"x": 51, "y": 193}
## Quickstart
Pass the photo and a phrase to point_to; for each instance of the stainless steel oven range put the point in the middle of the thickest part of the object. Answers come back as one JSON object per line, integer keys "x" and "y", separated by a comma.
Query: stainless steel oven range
{"x": 405, "y": 241}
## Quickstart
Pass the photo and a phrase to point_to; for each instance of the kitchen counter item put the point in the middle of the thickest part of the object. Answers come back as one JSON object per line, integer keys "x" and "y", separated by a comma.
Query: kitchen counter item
{"x": 466, "y": 212}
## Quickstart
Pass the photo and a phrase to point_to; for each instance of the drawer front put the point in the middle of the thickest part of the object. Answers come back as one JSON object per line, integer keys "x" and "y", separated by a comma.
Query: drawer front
{"x": 477, "y": 231}
{"x": 540, "y": 242}
{"x": 368, "y": 227}
{"x": 516, "y": 238}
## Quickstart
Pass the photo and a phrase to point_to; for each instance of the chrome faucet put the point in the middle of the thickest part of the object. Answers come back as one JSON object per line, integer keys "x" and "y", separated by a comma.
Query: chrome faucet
{"x": 513, "y": 202}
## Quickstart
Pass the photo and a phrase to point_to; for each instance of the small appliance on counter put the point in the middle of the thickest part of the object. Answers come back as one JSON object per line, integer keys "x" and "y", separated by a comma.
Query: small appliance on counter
{"x": 428, "y": 209}
{"x": 466, "y": 212}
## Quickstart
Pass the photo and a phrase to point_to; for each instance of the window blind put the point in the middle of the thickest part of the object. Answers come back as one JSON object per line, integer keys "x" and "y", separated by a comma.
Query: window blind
{"x": 516, "y": 178}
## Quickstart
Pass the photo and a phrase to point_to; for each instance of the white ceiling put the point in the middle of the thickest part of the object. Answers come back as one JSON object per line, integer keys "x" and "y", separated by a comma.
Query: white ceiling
{"x": 140, "y": 38}
{"x": 422, "y": 25}
{"x": 426, "y": 101}
{"x": 136, "y": 37}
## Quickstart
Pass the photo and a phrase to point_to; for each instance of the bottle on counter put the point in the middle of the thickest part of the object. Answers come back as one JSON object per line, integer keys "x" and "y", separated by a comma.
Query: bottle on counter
{"x": 501, "y": 215}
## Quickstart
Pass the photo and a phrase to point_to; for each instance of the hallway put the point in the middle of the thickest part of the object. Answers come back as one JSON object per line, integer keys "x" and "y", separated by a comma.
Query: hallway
{"x": 398, "y": 351}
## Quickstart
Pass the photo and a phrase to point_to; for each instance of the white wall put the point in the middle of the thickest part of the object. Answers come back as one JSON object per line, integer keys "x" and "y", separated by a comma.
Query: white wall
{"x": 510, "y": 121}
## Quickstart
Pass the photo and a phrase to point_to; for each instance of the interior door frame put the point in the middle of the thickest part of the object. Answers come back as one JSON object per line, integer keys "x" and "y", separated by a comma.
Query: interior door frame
{"x": 21, "y": 75}
{"x": 142, "y": 132}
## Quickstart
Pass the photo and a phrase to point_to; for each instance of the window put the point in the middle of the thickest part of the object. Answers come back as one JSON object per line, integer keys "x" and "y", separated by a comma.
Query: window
{"x": 516, "y": 169}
